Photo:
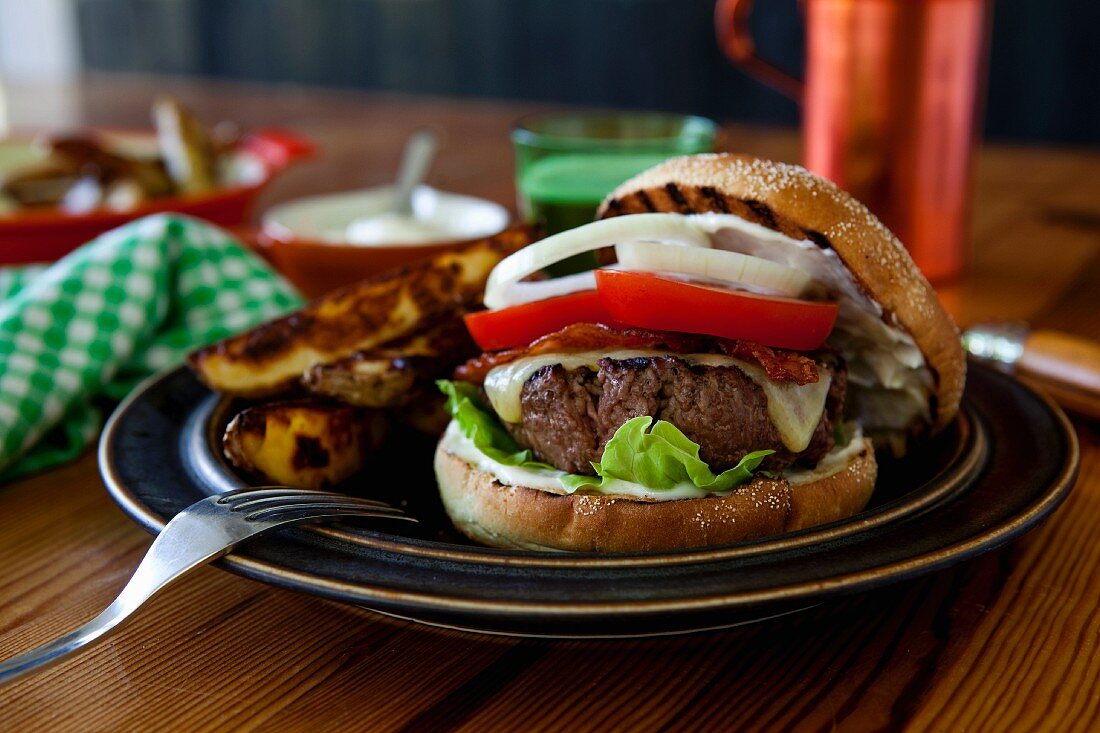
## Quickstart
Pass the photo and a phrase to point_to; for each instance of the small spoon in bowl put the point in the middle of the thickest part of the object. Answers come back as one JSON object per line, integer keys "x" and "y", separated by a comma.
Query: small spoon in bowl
{"x": 418, "y": 158}
{"x": 400, "y": 223}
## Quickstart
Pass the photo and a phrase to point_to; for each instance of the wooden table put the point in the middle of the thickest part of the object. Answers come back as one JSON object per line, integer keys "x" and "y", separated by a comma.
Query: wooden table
{"x": 1008, "y": 640}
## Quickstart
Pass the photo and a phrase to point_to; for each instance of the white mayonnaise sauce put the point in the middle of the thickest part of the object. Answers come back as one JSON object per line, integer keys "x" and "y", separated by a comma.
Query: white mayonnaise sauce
{"x": 394, "y": 228}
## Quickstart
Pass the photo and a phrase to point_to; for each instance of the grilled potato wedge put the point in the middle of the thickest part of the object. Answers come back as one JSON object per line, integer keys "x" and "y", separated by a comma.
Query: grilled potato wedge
{"x": 447, "y": 338}
{"x": 87, "y": 154}
{"x": 395, "y": 373}
{"x": 271, "y": 358}
{"x": 305, "y": 444}
{"x": 366, "y": 381}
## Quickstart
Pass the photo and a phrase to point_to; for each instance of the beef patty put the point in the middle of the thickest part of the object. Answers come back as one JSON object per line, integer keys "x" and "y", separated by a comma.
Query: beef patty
{"x": 569, "y": 415}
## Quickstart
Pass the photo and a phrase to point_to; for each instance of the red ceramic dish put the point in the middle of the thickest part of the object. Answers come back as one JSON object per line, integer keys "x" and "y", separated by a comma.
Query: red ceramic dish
{"x": 306, "y": 239}
{"x": 316, "y": 268}
{"x": 46, "y": 235}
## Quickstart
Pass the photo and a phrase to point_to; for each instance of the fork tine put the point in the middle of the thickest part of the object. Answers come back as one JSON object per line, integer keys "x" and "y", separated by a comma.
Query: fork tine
{"x": 266, "y": 501}
{"x": 320, "y": 505}
{"x": 306, "y": 510}
{"x": 239, "y": 495}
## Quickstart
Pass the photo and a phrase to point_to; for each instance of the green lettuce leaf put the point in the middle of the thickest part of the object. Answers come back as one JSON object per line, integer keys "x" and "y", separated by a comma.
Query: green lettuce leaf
{"x": 660, "y": 457}
{"x": 482, "y": 427}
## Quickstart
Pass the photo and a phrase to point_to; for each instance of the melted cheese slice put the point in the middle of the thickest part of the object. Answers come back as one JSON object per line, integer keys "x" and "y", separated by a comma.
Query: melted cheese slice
{"x": 795, "y": 409}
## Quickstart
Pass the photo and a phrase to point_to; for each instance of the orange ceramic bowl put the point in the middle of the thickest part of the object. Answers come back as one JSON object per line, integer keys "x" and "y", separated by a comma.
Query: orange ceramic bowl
{"x": 48, "y": 234}
{"x": 308, "y": 239}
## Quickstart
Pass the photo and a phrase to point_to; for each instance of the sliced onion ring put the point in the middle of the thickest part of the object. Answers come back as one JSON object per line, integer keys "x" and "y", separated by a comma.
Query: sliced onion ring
{"x": 505, "y": 287}
{"x": 543, "y": 289}
{"x": 756, "y": 273}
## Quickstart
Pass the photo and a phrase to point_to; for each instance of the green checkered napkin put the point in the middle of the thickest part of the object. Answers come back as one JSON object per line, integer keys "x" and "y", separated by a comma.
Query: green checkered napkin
{"x": 78, "y": 335}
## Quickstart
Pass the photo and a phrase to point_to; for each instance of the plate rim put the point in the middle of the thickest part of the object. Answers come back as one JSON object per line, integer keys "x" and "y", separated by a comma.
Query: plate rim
{"x": 356, "y": 592}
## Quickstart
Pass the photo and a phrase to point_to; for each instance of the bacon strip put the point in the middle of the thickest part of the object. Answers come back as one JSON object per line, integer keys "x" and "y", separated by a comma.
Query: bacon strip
{"x": 780, "y": 365}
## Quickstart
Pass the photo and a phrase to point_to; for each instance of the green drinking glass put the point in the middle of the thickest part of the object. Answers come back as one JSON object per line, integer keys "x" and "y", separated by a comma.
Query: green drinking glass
{"x": 566, "y": 163}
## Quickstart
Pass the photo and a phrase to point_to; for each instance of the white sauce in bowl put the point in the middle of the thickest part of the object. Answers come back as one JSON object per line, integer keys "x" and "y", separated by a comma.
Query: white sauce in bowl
{"x": 365, "y": 218}
{"x": 393, "y": 228}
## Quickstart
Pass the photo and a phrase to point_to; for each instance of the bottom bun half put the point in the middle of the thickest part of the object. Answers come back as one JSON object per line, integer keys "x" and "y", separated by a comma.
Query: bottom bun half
{"x": 519, "y": 517}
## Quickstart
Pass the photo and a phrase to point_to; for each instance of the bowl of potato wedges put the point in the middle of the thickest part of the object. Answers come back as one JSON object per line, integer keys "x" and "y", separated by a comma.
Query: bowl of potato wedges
{"x": 60, "y": 190}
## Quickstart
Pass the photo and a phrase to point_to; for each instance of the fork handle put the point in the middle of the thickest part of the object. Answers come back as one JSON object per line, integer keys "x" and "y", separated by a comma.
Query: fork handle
{"x": 202, "y": 532}
{"x": 136, "y": 593}
{"x": 157, "y": 569}
{"x": 63, "y": 646}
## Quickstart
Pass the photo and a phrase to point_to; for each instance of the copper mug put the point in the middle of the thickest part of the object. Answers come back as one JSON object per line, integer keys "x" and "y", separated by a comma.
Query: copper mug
{"x": 890, "y": 103}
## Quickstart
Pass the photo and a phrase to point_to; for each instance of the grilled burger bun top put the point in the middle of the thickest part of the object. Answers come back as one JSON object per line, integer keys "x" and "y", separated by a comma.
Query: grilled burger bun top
{"x": 809, "y": 213}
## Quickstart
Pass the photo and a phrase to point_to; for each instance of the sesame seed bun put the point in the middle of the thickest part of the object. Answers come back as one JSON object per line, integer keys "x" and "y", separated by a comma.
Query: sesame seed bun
{"x": 519, "y": 517}
{"x": 805, "y": 208}
{"x": 791, "y": 200}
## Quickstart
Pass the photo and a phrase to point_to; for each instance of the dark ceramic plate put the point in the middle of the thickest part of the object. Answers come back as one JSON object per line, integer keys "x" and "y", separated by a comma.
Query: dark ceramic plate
{"x": 1007, "y": 461}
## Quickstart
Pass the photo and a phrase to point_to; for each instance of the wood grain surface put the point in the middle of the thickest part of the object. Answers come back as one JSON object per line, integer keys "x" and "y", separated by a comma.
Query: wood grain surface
{"x": 1008, "y": 641}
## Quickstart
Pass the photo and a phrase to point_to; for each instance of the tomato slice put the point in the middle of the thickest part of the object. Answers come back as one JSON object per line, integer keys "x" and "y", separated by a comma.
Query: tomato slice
{"x": 660, "y": 303}
{"x": 519, "y": 325}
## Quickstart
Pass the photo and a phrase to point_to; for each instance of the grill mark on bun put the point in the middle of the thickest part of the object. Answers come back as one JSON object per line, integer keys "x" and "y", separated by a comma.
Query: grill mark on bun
{"x": 763, "y": 212}
{"x": 677, "y": 197}
{"x": 616, "y": 205}
{"x": 643, "y": 198}
{"x": 717, "y": 200}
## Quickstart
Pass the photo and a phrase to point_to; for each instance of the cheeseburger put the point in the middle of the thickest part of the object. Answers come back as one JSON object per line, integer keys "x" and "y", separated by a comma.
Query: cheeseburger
{"x": 726, "y": 376}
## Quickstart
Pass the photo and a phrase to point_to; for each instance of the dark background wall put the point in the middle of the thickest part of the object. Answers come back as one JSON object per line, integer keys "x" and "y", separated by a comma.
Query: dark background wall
{"x": 1044, "y": 72}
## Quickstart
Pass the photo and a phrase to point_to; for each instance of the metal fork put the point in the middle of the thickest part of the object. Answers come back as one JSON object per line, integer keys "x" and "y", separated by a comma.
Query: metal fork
{"x": 202, "y": 532}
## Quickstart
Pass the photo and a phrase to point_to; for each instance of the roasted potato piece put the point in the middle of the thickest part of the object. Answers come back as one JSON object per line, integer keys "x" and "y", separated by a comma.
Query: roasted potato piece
{"x": 365, "y": 381}
{"x": 447, "y": 339}
{"x": 40, "y": 185}
{"x": 90, "y": 157}
{"x": 272, "y": 357}
{"x": 304, "y": 444}
{"x": 402, "y": 387}
{"x": 86, "y": 154}
{"x": 186, "y": 146}
{"x": 395, "y": 373}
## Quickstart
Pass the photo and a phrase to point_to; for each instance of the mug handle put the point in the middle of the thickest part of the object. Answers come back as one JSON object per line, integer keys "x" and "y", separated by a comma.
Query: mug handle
{"x": 731, "y": 25}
